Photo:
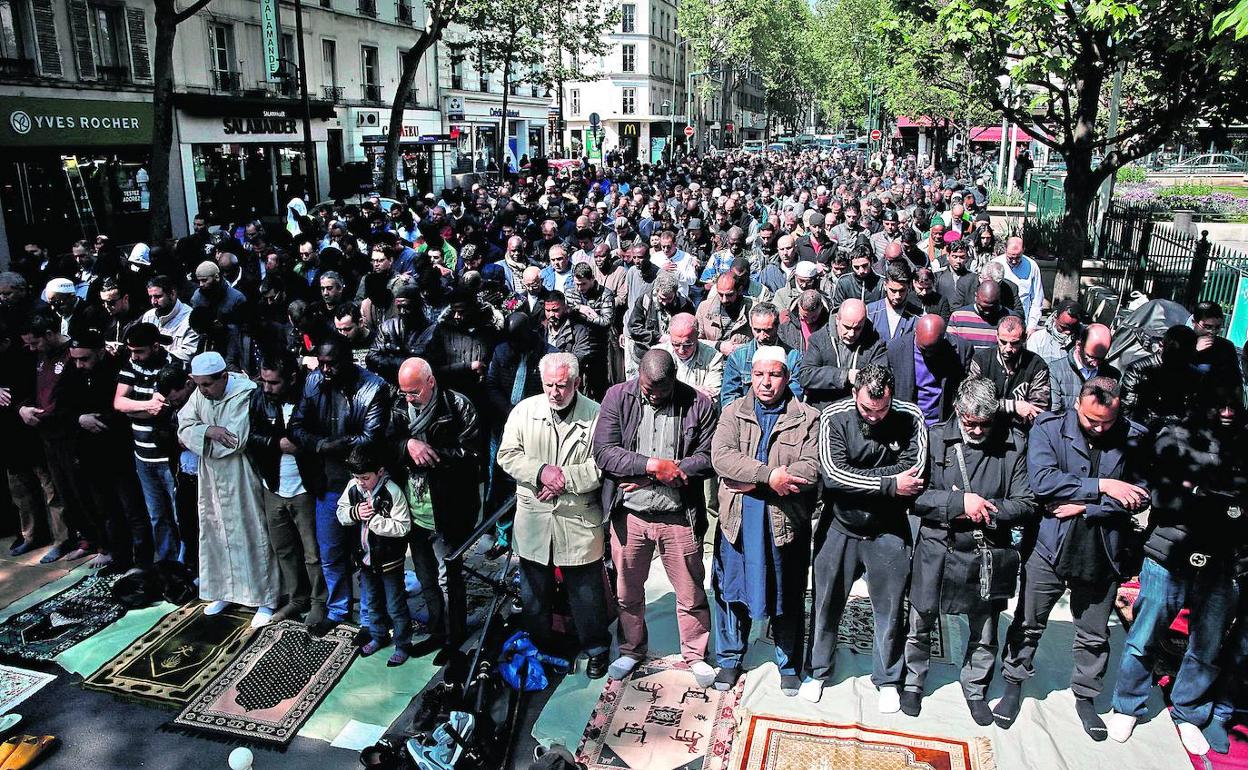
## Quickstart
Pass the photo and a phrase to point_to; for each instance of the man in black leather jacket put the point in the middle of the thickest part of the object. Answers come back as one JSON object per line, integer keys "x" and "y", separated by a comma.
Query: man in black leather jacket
{"x": 342, "y": 407}
{"x": 293, "y": 480}
{"x": 398, "y": 337}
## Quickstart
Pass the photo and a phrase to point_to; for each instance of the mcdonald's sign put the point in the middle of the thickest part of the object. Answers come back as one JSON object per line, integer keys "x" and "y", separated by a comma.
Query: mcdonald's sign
{"x": 631, "y": 129}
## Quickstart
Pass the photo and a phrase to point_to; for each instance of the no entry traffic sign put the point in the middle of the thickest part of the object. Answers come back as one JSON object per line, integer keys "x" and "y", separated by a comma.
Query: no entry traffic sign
{"x": 876, "y": 134}
{"x": 688, "y": 130}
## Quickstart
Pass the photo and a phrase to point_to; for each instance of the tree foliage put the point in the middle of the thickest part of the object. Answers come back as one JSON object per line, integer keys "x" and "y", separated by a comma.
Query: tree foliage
{"x": 1061, "y": 58}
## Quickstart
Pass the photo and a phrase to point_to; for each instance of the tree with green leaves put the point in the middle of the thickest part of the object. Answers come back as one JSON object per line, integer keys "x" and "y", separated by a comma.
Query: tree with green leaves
{"x": 167, "y": 18}
{"x": 1060, "y": 59}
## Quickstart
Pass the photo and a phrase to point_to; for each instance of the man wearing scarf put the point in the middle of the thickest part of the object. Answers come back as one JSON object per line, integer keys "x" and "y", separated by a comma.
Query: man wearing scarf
{"x": 766, "y": 451}
{"x": 435, "y": 440}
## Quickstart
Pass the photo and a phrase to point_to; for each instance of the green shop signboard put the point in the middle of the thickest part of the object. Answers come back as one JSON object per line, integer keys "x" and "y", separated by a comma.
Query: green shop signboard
{"x": 74, "y": 123}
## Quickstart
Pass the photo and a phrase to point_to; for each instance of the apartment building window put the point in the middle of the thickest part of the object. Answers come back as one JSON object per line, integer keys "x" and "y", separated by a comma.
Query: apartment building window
{"x": 367, "y": 8}
{"x": 457, "y": 71}
{"x": 574, "y": 100}
{"x": 404, "y": 12}
{"x": 14, "y": 31}
{"x": 109, "y": 41}
{"x": 630, "y": 58}
{"x": 370, "y": 74}
{"x": 628, "y": 17}
{"x": 329, "y": 70}
{"x": 629, "y": 106}
{"x": 222, "y": 58}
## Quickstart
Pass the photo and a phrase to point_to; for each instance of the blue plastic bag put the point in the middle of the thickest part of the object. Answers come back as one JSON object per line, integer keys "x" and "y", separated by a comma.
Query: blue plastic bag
{"x": 520, "y": 654}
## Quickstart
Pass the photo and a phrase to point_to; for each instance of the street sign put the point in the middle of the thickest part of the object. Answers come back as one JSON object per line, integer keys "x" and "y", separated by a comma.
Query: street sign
{"x": 594, "y": 120}
{"x": 689, "y": 131}
{"x": 271, "y": 35}
{"x": 593, "y": 150}
{"x": 876, "y": 134}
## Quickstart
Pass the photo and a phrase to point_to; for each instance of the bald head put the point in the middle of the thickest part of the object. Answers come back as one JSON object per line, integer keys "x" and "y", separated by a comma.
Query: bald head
{"x": 851, "y": 319}
{"x": 892, "y": 251}
{"x": 1095, "y": 345}
{"x": 987, "y": 295}
{"x": 682, "y": 324}
{"x": 929, "y": 330}
{"x": 416, "y": 381}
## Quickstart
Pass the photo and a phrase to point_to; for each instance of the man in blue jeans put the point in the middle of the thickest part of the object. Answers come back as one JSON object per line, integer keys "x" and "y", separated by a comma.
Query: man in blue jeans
{"x": 342, "y": 407}
{"x": 1200, "y": 469}
{"x": 153, "y": 423}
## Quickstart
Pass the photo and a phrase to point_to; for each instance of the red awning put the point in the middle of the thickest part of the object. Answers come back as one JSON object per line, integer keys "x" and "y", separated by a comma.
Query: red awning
{"x": 992, "y": 134}
{"x": 922, "y": 122}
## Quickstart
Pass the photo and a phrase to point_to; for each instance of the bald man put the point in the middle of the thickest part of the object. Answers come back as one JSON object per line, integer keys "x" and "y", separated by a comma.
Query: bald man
{"x": 698, "y": 363}
{"x": 514, "y": 263}
{"x": 1084, "y": 361}
{"x": 928, "y": 366}
{"x": 976, "y": 324}
{"x": 435, "y": 449}
{"x": 532, "y": 294}
{"x": 833, "y": 357}
{"x": 1022, "y": 271}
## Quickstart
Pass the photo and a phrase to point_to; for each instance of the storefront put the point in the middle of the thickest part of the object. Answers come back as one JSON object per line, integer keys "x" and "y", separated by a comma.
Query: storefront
{"x": 474, "y": 124}
{"x": 74, "y": 168}
{"x": 245, "y": 159}
{"x": 424, "y": 147}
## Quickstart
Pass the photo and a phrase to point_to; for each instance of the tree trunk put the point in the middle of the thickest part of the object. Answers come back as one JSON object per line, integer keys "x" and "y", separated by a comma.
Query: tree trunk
{"x": 162, "y": 122}
{"x": 1072, "y": 245}
{"x": 394, "y": 133}
{"x": 501, "y": 156}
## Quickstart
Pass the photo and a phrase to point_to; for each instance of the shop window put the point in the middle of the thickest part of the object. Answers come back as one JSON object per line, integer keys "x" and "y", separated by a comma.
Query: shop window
{"x": 370, "y": 74}
{"x": 629, "y": 106}
{"x": 630, "y": 58}
{"x": 108, "y": 37}
{"x": 574, "y": 99}
{"x": 628, "y": 17}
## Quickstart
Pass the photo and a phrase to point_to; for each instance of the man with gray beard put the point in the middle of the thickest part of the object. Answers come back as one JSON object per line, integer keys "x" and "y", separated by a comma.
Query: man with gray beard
{"x": 964, "y": 558}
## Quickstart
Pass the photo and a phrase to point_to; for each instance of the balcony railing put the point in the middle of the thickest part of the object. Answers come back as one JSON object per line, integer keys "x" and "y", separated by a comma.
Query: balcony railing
{"x": 283, "y": 84}
{"x": 17, "y": 66}
{"x": 404, "y": 13}
{"x": 368, "y": 8}
{"x": 332, "y": 93}
{"x": 229, "y": 82}
{"x": 372, "y": 93}
{"x": 113, "y": 74}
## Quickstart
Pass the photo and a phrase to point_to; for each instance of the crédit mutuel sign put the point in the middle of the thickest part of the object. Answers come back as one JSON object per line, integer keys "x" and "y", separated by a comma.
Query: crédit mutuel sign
{"x": 75, "y": 122}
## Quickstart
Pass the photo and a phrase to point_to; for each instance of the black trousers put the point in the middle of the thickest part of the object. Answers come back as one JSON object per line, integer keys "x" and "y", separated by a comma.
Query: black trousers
{"x": 111, "y": 488}
{"x": 1090, "y": 603}
{"x": 441, "y": 582}
{"x": 977, "y": 663}
{"x": 587, "y": 597}
{"x": 839, "y": 561}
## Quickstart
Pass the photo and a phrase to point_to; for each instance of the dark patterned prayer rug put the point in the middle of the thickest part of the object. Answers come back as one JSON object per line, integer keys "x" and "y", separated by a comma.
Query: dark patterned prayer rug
{"x": 856, "y": 631}
{"x": 174, "y": 659}
{"x": 658, "y": 718}
{"x": 267, "y": 693}
{"x": 55, "y": 624}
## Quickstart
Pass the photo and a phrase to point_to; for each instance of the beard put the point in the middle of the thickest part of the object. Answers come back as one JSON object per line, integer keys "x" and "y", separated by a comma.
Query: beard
{"x": 973, "y": 441}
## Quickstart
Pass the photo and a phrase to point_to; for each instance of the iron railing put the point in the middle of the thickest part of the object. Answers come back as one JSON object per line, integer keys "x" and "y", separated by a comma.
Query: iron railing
{"x": 332, "y": 93}
{"x": 229, "y": 82}
{"x": 372, "y": 93}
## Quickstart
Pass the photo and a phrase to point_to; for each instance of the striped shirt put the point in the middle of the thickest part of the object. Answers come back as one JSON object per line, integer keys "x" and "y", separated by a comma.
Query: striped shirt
{"x": 147, "y": 430}
{"x": 972, "y": 327}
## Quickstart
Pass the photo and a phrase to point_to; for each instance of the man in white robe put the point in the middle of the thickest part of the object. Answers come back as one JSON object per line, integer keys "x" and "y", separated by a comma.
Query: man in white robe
{"x": 236, "y": 561}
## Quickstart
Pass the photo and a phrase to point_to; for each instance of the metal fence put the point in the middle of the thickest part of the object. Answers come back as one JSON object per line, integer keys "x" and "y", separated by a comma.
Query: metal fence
{"x": 1164, "y": 263}
{"x": 1044, "y": 198}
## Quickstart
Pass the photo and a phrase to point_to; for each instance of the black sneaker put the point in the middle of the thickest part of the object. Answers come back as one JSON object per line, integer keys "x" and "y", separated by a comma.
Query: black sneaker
{"x": 1093, "y": 725}
{"x": 727, "y": 678}
{"x": 911, "y": 702}
{"x": 596, "y": 668}
{"x": 1007, "y": 708}
{"x": 322, "y": 627}
{"x": 980, "y": 712}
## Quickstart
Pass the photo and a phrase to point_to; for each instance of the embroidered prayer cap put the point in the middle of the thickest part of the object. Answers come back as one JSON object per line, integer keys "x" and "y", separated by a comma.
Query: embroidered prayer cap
{"x": 207, "y": 364}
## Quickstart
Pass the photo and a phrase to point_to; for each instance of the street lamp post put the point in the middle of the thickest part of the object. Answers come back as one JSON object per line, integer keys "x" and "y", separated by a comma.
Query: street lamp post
{"x": 671, "y": 125}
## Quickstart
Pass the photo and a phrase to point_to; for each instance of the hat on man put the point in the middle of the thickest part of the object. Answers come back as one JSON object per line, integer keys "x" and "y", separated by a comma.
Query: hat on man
{"x": 141, "y": 254}
{"x": 816, "y": 219}
{"x": 143, "y": 334}
{"x": 207, "y": 270}
{"x": 889, "y": 215}
{"x": 770, "y": 353}
{"x": 87, "y": 339}
{"x": 694, "y": 224}
{"x": 806, "y": 269}
{"x": 207, "y": 364}
{"x": 58, "y": 286}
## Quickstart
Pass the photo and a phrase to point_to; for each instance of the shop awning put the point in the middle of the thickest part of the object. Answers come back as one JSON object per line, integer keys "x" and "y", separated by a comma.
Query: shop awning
{"x": 215, "y": 105}
{"x": 421, "y": 140}
{"x": 993, "y": 134}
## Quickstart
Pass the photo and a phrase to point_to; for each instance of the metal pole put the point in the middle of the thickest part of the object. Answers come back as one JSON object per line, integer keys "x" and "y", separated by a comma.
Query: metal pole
{"x": 309, "y": 149}
{"x": 1107, "y": 187}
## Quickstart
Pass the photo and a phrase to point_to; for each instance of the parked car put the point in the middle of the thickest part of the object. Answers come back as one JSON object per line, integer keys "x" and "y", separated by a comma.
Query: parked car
{"x": 752, "y": 145}
{"x": 1210, "y": 161}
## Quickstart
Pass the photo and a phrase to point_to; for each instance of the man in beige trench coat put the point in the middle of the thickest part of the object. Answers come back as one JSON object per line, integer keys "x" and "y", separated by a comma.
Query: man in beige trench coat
{"x": 546, "y": 448}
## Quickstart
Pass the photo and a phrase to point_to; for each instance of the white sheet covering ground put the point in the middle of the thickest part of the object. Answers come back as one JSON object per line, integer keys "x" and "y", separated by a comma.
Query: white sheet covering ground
{"x": 1047, "y": 735}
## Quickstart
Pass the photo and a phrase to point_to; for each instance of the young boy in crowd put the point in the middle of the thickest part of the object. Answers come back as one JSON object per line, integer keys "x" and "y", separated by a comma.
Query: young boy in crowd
{"x": 377, "y": 505}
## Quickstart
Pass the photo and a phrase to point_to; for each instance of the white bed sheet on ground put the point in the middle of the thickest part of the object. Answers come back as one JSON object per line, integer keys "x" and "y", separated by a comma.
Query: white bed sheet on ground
{"x": 1046, "y": 736}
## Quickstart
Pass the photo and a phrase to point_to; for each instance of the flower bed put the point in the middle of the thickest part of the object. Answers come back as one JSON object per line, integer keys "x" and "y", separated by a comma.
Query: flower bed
{"x": 1198, "y": 198}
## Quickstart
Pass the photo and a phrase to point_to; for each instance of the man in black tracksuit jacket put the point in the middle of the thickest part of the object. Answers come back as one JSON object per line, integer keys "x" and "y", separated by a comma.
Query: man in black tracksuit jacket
{"x": 871, "y": 451}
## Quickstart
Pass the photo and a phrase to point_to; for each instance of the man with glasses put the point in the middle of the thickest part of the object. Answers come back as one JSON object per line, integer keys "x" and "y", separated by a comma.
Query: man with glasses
{"x": 1216, "y": 359}
{"x": 1085, "y": 361}
{"x": 117, "y": 308}
{"x": 977, "y": 493}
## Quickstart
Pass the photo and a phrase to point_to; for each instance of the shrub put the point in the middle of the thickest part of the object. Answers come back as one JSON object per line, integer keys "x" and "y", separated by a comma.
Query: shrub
{"x": 1131, "y": 174}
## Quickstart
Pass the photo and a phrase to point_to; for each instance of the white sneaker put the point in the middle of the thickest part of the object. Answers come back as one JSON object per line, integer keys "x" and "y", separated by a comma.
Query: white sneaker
{"x": 890, "y": 700}
{"x": 1193, "y": 739}
{"x": 1119, "y": 726}
{"x": 811, "y": 690}
{"x": 703, "y": 674}
{"x": 263, "y": 617}
{"x": 623, "y": 666}
{"x": 216, "y": 608}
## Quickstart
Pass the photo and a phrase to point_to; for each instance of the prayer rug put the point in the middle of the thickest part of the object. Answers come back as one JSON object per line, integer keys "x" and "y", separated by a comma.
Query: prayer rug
{"x": 52, "y": 626}
{"x": 266, "y": 693}
{"x": 176, "y": 657}
{"x": 856, "y": 631}
{"x": 18, "y": 684}
{"x": 775, "y": 743}
{"x": 658, "y": 718}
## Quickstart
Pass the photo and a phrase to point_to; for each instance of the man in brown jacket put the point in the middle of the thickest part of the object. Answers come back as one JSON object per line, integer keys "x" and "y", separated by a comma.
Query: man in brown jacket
{"x": 766, "y": 451}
